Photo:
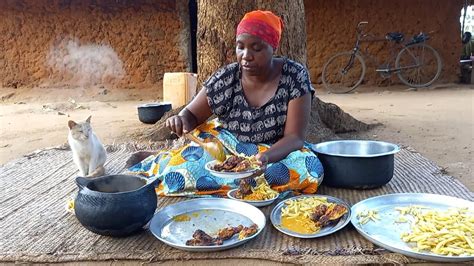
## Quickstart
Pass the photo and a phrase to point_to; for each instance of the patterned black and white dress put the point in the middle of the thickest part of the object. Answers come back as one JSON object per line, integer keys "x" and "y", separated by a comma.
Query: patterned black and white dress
{"x": 264, "y": 124}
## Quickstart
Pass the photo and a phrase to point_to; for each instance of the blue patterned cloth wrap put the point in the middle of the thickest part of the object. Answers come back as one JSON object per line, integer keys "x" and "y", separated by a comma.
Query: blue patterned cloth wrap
{"x": 182, "y": 171}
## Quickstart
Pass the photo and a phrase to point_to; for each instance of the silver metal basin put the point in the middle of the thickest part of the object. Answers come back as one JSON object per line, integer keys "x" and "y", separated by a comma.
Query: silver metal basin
{"x": 356, "y": 163}
{"x": 356, "y": 148}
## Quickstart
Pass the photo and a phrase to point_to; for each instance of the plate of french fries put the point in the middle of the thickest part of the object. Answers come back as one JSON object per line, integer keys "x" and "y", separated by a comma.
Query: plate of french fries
{"x": 260, "y": 195}
{"x": 310, "y": 216}
{"x": 424, "y": 226}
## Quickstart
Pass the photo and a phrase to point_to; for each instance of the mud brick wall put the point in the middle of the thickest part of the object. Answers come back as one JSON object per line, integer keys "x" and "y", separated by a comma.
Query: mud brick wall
{"x": 330, "y": 27}
{"x": 121, "y": 42}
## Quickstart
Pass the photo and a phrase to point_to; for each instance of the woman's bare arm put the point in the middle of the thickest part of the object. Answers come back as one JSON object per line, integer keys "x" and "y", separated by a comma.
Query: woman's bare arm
{"x": 299, "y": 111}
{"x": 194, "y": 114}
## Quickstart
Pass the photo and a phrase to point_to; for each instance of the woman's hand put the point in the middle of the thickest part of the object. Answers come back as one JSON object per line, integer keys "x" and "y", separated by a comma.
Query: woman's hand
{"x": 195, "y": 113}
{"x": 179, "y": 124}
{"x": 263, "y": 159}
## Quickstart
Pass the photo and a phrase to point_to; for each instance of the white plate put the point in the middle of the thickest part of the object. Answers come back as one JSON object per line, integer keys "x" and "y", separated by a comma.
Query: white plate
{"x": 386, "y": 232}
{"x": 256, "y": 203}
{"x": 228, "y": 175}
{"x": 275, "y": 217}
{"x": 207, "y": 214}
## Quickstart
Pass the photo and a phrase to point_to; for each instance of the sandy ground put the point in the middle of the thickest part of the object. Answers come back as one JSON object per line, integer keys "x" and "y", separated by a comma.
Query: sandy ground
{"x": 438, "y": 122}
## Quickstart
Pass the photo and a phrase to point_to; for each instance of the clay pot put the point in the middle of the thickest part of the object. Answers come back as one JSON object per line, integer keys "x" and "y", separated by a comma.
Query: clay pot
{"x": 150, "y": 113}
{"x": 115, "y": 205}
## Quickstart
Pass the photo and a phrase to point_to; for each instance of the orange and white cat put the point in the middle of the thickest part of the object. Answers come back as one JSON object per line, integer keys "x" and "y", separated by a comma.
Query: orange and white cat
{"x": 88, "y": 152}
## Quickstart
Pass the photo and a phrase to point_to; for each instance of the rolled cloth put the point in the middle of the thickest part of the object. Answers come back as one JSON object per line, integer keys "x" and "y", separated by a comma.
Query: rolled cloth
{"x": 263, "y": 24}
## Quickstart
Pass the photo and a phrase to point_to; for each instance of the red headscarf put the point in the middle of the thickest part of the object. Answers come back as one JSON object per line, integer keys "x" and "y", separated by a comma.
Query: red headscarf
{"x": 263, "y": 24}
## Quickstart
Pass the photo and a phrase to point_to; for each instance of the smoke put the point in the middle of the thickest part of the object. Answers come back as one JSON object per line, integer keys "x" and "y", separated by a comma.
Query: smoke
{"x": 85, "y": 64}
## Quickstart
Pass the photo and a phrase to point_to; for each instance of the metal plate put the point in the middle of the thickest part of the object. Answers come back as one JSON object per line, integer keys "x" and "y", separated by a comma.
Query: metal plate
{"x": 386, "y": 233}
{"x": 275, "y": 217}
{"x": 256, "y": 203}
{"x": 228, "y": 175}
{"x": 209, "y": 215}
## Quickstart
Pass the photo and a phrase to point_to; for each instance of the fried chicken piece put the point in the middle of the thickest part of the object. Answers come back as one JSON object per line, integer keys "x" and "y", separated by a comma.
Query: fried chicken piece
{"x": 228, "y": 232}
{"x": 248, "y": 231}
{"x": 323, "y": 215}
{"x": 242, "y": 166}
{"x": 218, "y": 241}
{"x": 218, "y": 167}
{"x": 233, "y": 160}
{"x": 229, "y": 164}
{"x": 319, "y": 211}
{"x": 201, "y": 235}
{"x": 323, "y": 221}
{"x": 201, "y": 238}
{"x": 196, "y": 242}
{"x": 245, "y": 188}
{"x": 336, "y": 211}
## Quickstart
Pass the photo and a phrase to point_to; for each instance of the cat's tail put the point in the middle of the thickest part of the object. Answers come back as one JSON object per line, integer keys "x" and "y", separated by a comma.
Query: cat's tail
{"x": 99, "y": 171}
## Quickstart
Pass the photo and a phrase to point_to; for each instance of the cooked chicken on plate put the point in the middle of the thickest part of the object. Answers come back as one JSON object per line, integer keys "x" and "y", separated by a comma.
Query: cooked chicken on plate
{"x": 201, "y": 238}
{"x": 236, "y": 163}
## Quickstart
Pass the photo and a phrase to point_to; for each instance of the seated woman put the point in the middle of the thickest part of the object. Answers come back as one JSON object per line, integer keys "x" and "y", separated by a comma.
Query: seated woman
{"x": 262, "y": 103}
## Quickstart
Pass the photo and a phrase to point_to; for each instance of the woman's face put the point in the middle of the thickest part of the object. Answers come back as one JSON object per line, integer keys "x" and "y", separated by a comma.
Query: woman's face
{"x": 253, "y": 54}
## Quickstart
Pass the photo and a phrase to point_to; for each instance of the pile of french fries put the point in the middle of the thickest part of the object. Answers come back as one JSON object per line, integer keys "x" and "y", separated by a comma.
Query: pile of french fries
{"x": 302, "y": 206}
{"x": 366, "y": 216}
{"x": 447, "y": 233}
{"x": 262, "y": 191}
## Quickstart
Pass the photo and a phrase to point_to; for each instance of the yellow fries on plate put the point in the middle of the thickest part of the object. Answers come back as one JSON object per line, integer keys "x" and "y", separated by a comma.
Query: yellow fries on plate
{"x": 448, "y": 233}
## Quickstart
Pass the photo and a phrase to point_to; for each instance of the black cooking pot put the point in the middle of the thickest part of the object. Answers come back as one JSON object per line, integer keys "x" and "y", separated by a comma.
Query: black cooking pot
{"x": 150, "y": 113}
{"x": 115, "y": 205}
{"x": 356, "y": 163}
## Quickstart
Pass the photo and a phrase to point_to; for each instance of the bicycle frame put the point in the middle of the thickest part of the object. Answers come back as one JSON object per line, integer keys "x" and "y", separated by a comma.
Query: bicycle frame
{"x": 364, "y": 37}
{"x": 415, "y": 63}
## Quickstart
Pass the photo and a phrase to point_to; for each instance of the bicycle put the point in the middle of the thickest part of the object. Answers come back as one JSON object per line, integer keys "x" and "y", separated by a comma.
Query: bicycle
{"x": 416, "y": 63}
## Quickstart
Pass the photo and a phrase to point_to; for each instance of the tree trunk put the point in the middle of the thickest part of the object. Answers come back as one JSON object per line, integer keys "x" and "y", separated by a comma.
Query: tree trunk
{"x": 217, "y": 23}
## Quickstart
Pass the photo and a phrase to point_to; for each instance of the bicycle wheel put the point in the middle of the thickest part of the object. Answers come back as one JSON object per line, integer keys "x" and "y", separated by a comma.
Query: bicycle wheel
{"x": 419, "y": 65}
{"x": 343, "y": 72}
